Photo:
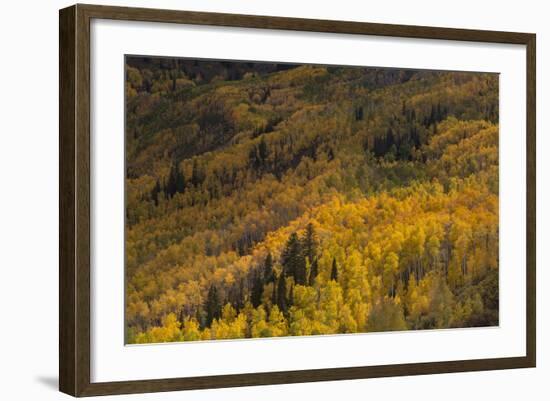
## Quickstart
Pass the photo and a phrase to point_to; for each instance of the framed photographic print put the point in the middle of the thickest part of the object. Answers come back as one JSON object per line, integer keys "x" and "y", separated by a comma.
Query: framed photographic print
{"x": 250, "y": 200}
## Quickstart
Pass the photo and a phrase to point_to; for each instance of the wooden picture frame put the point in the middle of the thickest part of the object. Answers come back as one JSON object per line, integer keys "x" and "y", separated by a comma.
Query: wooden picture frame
{"x": 74, "y": 203}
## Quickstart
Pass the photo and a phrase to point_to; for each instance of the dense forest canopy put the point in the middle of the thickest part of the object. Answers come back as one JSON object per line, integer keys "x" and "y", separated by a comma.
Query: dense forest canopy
{"x": 279, "y": 199}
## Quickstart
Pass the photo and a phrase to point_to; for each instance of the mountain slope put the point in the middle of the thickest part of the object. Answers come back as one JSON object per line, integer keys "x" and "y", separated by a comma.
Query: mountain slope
{"x": 394, "y": 172}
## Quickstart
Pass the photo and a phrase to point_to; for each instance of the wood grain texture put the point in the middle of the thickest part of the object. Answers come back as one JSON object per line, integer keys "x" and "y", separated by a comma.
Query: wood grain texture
{"x": 67, "y": 265}
{"x": 531, "y": 178}
{"x": 300, "y": 24}
{"x": 74, "y": 199}
{"x": 301, "y": 376}
{"x": 82, "y": 200}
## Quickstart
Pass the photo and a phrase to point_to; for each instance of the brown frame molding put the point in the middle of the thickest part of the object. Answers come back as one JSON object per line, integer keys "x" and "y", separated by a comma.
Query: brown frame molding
{"x": 74, "y": 199}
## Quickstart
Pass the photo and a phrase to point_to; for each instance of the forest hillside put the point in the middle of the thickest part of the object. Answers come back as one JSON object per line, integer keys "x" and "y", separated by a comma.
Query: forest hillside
{"x": 279, "y": 200}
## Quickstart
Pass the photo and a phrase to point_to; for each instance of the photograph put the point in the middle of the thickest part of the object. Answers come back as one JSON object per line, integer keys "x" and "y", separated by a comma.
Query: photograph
{"x": 266, "y": 201}
{"x": 270, "y": 199}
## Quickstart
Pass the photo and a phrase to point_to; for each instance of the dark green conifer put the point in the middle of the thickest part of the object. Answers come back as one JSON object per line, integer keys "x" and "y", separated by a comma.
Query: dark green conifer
{"x": 281, "y": 293}
{"x": 269, "y": 276}
{"x": 212, "y": 306}
{"x": 313, "y": 272}
{"x": 257, "y": 290}
{"x": 334, "y": 270}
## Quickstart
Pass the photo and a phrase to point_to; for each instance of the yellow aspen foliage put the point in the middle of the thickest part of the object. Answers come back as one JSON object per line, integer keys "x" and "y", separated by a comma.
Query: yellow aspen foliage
{"x": 387, "y": 182}
{"x": 191, "y": 330}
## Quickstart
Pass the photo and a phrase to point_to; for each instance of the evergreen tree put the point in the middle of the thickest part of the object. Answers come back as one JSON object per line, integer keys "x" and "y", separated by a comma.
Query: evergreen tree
{"x": 330, "y": 154}
{"x": 293, "y": 260}
{"x": 254, "y": 158}
{"x": 269, "y": 276}
{"x": 240, "y": 296}
{"x": 439, "y": 113}
{"x": 390, "y": 139}
{"x": 334, "y": 270}
{"x": 236, "y": 295}
{"x": 358, "y": 113}
{"x": 155, "y": 192}
{"x": 290, "y": 297}
{"x": 432, "y": 118}
{"x": 176, "y": 180}
{"x": 213, "y": 307}
{"x": 197, "y": 174}
{"x": 274, "y": 295}
{"x": 172, "y": 178}
{"x": 257, "y": 290}
{"x": 309, "y": 243}
{"x": 263, "y": 151}
{"x": 180, "y": 181}
{"x": 281, "y": 293}
{"x": 385, "y": 144}
{"x": 314, "y": 271}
